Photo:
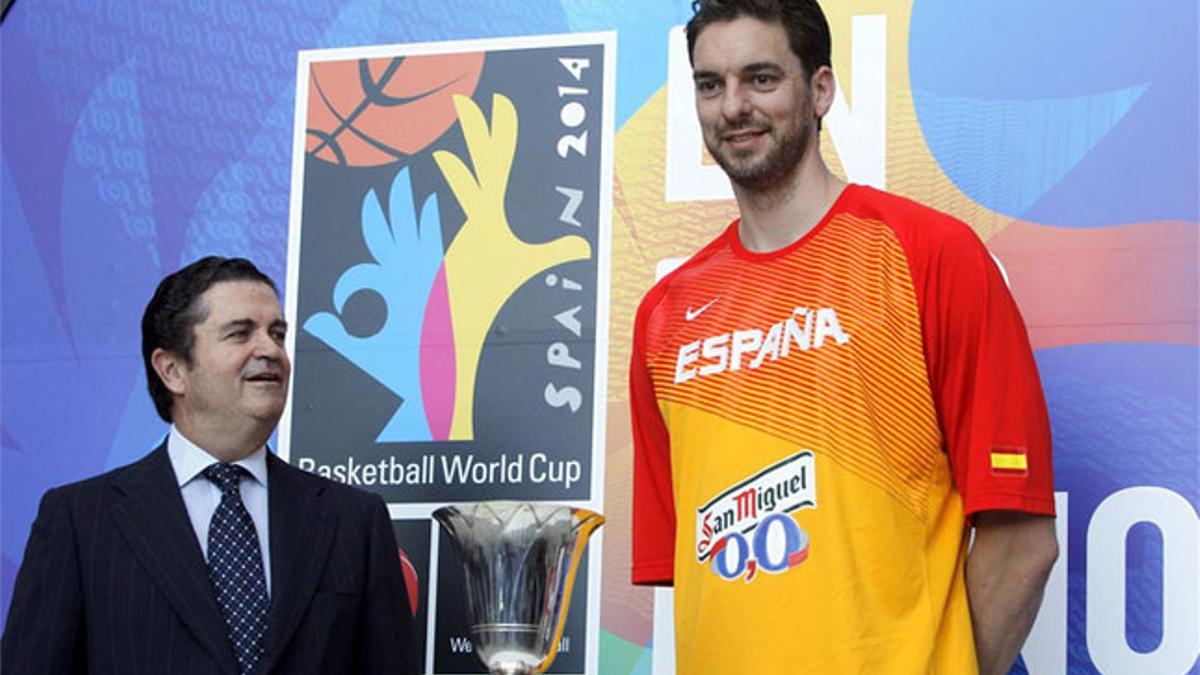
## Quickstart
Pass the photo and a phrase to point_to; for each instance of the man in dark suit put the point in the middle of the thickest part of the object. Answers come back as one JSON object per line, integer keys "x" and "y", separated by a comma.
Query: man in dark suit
{"x": 210, "y": 555}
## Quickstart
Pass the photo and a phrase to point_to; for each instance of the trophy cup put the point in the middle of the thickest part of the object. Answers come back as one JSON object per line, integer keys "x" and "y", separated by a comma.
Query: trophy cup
{"x": 520, "y": 561}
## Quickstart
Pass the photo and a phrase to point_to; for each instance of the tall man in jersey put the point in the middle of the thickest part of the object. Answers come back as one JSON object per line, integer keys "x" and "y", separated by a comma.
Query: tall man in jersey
{"x": 828, "y": 399}
{"x": 210, "y": 555}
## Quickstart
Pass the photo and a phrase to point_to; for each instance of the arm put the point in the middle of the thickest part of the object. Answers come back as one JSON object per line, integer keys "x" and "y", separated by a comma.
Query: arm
{"x": 997, "y": 432}
{"x": 45, "y": 629}
{"x": 997, "y": 429}
{"x": 653, "y": 526}
{"x": 387, "y": 638}
{"x": 1007, "y": 569}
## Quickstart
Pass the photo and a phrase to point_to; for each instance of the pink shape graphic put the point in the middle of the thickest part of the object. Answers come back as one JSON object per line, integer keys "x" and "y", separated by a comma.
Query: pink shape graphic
{"x": 437, "y": 359}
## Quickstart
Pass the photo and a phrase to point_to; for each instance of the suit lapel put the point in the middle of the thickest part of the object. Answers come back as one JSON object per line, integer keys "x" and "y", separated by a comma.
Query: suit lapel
{"x": 301, "y": 534}
{"x": 154, "y": 521}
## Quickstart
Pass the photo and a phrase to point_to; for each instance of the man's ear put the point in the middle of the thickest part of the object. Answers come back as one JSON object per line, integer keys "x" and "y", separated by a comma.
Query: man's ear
{"x": 170, "y": 369}
{"x": 822, "y": 87}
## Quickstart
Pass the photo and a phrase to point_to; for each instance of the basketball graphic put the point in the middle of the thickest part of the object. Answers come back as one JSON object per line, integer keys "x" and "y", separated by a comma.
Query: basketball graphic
{"x": 411, "y": 583}
{"x": 357, "y": 107}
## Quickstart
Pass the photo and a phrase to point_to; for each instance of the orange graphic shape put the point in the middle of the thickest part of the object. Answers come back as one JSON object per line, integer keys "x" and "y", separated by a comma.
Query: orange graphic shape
{"x": 372, "y": 112}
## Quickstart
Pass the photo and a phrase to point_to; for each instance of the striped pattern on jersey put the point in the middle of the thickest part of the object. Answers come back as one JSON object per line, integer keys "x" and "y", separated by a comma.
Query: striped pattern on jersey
{"x": 865, "y": 404}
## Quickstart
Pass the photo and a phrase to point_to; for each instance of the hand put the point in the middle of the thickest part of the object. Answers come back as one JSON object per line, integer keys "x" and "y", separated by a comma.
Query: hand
{"x": 486, "y": 263}
{"x": 409, "y": 257}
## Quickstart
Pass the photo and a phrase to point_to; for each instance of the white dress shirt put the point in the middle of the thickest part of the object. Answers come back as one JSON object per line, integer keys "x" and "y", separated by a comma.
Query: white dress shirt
{"x": 201, "y": 496}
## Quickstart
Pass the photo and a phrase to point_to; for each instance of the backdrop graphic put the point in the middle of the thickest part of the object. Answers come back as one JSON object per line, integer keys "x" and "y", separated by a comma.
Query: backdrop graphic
{"x": 139, "y": 135}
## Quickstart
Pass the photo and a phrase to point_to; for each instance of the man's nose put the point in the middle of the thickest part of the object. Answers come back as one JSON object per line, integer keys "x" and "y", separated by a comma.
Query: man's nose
{"x": 266, "y": 347}
{"x": 734, "y": 103}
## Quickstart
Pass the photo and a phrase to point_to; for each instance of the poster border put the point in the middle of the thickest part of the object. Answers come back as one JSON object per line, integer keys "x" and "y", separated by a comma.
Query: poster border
{"x": 607, "y": 40}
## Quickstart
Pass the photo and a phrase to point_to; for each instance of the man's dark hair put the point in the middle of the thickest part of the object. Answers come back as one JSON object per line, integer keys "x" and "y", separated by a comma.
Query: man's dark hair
{"x": 175, "y": 309}
{"x": 802, "y": 20}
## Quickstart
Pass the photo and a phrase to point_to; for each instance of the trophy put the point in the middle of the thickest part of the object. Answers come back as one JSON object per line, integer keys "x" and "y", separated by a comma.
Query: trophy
{"x": 520, "y": 561}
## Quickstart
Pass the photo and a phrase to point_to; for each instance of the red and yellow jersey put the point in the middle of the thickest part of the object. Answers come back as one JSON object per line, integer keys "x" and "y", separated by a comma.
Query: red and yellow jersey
{"x": 812, "y": 429}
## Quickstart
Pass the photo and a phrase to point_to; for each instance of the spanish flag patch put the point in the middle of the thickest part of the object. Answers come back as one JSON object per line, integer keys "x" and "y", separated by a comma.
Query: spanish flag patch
{"x": 1010, "y": 461}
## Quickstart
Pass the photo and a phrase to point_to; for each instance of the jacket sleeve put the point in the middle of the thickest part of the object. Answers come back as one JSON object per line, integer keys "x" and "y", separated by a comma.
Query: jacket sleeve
{"x": 45, "y": 628}
{"x": 389, "y": 642}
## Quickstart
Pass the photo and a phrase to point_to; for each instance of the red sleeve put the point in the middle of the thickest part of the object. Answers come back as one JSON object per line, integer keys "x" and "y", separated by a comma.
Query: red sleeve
{"x": 982, "y": 373}
{"x": 653, "y": 496}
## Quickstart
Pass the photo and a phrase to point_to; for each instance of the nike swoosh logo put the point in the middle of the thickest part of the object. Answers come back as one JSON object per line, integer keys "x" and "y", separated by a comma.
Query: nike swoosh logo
{"x": 691, "y": 314}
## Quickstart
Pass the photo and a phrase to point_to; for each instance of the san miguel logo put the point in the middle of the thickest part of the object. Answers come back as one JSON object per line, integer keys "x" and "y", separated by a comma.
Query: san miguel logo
{"x": 445, "y": 269}
{"x": 748, "y": 527}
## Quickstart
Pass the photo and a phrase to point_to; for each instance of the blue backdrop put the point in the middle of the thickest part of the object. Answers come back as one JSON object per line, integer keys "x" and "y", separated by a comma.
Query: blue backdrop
{"x": 139, "y": 135}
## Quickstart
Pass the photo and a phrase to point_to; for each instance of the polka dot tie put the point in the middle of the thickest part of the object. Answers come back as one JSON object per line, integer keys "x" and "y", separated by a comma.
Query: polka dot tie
{"x": 236, "y": 569}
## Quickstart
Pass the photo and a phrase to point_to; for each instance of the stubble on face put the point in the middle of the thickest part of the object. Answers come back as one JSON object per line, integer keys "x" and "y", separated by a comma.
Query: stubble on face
{"x": 776, "y": 167}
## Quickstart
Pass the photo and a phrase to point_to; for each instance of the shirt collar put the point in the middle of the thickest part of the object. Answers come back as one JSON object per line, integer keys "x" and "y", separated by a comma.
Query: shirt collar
{"x": 189, "y": 460}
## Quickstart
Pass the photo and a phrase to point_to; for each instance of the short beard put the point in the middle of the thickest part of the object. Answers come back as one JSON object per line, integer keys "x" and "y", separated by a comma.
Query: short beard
{"x": 773, "y": 170}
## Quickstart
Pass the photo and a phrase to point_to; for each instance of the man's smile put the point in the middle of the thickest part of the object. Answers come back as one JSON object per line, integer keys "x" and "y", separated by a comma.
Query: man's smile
{"x": 744, "y": 138}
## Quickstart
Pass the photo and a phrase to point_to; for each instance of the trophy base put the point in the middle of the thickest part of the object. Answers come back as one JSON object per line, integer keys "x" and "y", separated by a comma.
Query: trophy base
{"x": 512, "y": 670}
{"x": 511, "y": 648}
{"x": 511, "y": 664}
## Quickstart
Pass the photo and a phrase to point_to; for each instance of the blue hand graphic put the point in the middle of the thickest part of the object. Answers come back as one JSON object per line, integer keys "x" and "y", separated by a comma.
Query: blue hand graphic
{"x": 408, "y": 257}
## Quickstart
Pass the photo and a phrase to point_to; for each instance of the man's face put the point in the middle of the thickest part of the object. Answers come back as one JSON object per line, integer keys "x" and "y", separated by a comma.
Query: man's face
{"x": 238, "y": 376}
{"x": 753, "y": 100}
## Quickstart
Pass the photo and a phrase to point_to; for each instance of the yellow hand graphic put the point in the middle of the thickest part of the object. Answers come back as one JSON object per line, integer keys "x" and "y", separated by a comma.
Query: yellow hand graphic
{"x": 486, "y": 263}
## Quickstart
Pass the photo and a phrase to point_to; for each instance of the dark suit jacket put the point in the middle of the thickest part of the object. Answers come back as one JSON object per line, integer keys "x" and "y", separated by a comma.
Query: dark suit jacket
{"x": 114, "y": 581}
